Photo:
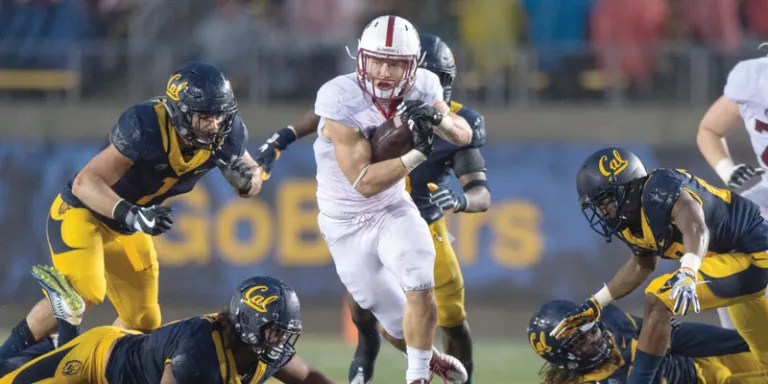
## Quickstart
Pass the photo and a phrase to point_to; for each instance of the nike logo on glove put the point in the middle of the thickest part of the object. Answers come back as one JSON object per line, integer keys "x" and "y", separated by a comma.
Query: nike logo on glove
{"x": 148, "y": 223}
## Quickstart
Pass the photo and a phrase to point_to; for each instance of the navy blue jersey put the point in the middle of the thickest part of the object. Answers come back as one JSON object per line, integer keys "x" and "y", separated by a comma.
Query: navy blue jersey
{"x": 437, "y": 168}
{"x": 689, "y": 340}
{"x": 144, "y": 133}
{"x": 195, "y": 348}
{"x": 735, "y": 223}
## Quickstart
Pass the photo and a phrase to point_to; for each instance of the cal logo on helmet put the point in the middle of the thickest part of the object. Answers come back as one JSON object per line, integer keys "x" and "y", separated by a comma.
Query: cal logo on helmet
{"x": 540, "y": 346}
{"x": 173, "y": 87}
{"x": 615, "y": 165}
{"x": 254, "y": 299}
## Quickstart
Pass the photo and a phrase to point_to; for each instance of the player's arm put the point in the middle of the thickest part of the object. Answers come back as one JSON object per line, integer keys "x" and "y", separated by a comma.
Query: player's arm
{"x": 633, "y": 273}
{"x": 299, "y": 372}
{"x": 453, "y": 128}
{"x": 353, "y": 153}
{"x": 721, "y": 118}
{"x": 168, "y": 377}
{"x": 93, "y": 184}
{"x": 256, "y": 179}
{"x": 279, "y": 141}
{"x": 476, "y": 190}
{"x": 688, "y": 215}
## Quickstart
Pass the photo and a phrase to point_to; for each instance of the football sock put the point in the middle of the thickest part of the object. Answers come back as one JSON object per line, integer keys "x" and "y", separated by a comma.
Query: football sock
{"x": 644, "y": 368}
{"x": 41, "y": 348}
{"x": 67, "y": 331}
{"x": 368, "y": 340}
{"x": 418, "y": 364}
{"x": 20, "y": 339}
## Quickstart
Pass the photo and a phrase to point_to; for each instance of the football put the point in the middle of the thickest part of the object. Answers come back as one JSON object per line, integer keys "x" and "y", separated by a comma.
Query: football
{"x": 390, "y": 140}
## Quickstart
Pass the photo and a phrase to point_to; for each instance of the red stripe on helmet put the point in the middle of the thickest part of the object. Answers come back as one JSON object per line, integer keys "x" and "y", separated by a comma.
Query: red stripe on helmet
{"x": 390, "y": 31}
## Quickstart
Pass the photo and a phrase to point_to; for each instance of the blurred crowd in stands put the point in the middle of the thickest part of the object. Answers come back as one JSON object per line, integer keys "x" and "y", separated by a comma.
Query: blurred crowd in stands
{"x": 560, "y": 48}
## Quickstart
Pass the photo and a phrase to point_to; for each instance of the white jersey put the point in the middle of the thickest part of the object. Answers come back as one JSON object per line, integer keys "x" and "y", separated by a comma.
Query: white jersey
{"x": 747, "y": 85}
{"x": 343, "y": 101}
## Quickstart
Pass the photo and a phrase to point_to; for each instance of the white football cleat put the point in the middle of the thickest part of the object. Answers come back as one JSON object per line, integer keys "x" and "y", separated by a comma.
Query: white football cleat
{"x": 448, "y": 368}
{"x": 67, "y": 304}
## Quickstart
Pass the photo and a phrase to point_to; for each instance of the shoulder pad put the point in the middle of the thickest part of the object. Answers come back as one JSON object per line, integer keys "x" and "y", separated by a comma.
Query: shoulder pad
{"x": 745, "y": 81}
{"x": 236, "y": 141}
{"x": 477, "y": 123}
{"x": 336, "y": 98}
{"x": 660, "y": 193}
{"x": 126, "y": 135}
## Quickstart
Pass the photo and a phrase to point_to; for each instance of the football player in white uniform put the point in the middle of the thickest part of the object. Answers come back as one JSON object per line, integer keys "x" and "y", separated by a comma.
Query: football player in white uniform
{"x": 382, "y": 248}
{"x": 745, "y": 97}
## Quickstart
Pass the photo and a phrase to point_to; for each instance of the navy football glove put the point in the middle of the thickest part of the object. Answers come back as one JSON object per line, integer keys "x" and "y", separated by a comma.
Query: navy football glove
{"x": 579, "y": 317}
{"x": 448, "y": 200}
{"x": 152, "y": 220}
{"x": 418, "y": 110}
{"x": 269, "y": 152}
{"x": 237, "y": 173}
{"x": 682, "y": 287}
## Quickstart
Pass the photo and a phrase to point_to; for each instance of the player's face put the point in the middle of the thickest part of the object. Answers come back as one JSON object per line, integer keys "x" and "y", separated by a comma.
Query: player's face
{"x": 207, "y": 126}
{"x": 589, "y": 342}
{"x": 608, "y": 208}
{"x": 386, "y": 73}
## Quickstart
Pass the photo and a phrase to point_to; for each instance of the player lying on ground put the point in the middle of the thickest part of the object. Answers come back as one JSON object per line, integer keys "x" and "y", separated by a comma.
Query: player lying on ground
{"x": 100, "y": 227}
{"x": 468, "y": 166}
{"x": 742, "y": 100}
{"x": 250, "y": 341}
{"x": 602, "y": 351}
{"x": 672, "y": 214}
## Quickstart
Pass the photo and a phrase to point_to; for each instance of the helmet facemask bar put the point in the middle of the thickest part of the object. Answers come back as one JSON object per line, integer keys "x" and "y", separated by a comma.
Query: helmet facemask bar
{"x": 604, "y": 212}
{"x": 277, "y": 342}
{"x": 182, "y": 118}
{"x": 211, "y": 140}
{"x": 588, "y": 348}
{"x": 446, "y": 80}
{"x": 401, "y": 86}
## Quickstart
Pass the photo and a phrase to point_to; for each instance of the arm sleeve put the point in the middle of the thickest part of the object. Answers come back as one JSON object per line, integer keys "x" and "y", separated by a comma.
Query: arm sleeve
{"x": 126, "y": 135}
{"x": 468, "y": 160}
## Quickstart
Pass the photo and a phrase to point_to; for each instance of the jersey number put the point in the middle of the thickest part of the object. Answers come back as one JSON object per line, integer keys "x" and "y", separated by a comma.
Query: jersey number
{"x": 168, "y": 182}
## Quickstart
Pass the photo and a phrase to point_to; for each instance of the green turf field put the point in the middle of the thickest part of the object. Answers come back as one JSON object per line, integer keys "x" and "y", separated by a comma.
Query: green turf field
{"x": 495, "y": 362}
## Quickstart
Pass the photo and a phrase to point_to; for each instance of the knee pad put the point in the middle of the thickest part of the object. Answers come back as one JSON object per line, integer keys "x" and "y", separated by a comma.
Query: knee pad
{"x": 144, "y": 320}
{"x": 450, "y": 306}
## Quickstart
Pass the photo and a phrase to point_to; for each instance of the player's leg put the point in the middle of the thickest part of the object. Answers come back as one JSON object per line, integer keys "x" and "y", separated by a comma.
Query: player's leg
{"x": 449, "y": 293}
{"x": 406, "y": 249}
{"x": 368, "y": 343}
{"x": 132, "y": 281}
{"x": 76, "y": 245}
{"x": 733, "y": 280}
{"x": 82, "y": 360}
{"x": 353, "y": 245}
